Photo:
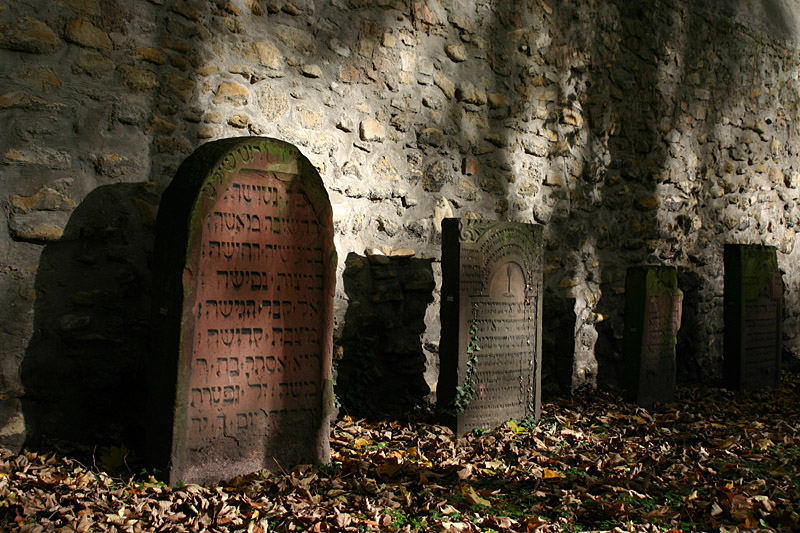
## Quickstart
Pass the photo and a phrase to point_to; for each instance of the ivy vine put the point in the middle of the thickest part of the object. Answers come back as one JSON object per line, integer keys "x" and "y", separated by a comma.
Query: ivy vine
{"x": 466, "y": 391}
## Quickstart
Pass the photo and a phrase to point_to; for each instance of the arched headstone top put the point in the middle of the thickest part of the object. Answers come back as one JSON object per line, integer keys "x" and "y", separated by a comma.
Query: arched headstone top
{"x": 245, "y": 270}
{"x": 208, "y": 170}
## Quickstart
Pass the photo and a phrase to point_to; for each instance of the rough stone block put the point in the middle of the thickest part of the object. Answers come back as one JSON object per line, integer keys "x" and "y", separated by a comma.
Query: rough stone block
{"x": 29, "y": 35}
{"x": 82, "y": 32}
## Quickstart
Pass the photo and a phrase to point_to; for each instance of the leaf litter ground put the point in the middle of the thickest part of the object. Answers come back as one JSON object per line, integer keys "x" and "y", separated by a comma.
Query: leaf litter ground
{"x": 711, "y": 461}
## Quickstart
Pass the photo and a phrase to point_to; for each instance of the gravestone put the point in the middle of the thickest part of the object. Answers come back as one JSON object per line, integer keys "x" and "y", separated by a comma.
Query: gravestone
{"x": 490, "y": 348}
{"x": 653, "y": 305}
{"x": 244, "y": 283}
{"x": 753, "y": 311}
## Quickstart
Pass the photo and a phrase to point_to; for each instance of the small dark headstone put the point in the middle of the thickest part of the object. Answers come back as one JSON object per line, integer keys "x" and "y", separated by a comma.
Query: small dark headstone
{"x": 753, "y": 302}
{"x": 243, "y": 309}
{"x": 652, "y": 318}
{"x": 490, "y": 349}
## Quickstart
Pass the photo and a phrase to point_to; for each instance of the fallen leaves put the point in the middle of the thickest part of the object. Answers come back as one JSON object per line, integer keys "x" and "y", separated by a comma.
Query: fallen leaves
{"x": 712, "y": 461}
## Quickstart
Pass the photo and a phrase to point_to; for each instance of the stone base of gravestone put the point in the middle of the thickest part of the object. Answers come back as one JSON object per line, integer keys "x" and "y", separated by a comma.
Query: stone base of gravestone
{"x": 490, "y": 349}
{"x": 753, "y": 313}
{"x": 240, "y": 379}
{"x": 652, "y": 318}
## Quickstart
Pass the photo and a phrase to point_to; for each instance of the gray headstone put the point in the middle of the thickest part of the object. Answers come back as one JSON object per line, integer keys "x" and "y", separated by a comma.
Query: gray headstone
{"x": 241, "y": 378}
{"x": 753, "y": 311}
{"x": 490, "y": 349}
{"x": 652, "y": 318}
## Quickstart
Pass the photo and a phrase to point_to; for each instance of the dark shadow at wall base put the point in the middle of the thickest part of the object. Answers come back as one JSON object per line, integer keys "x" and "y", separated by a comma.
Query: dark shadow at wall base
{"x": 688, "y": 347}
{"x": 382, "y": 367}
{"x": 82, "y": 371}
{"x": 558, "y": 345}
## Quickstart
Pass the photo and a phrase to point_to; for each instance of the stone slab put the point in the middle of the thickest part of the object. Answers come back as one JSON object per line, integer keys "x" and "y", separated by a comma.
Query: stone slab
{"x": 653, "y": 306}
{"x": 244, "y": 283}
{"x": 490, "y": 349}
{"x": 753, "y": 313}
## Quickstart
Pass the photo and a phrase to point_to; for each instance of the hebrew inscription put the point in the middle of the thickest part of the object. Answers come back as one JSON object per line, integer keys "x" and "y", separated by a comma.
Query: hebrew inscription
{"x": 491, "y": 338}
{"x": 652, "y": 318}
{"x": 753, "y": 314}
{"x": 255, "y": 325}
{"x": 256, "y": 354}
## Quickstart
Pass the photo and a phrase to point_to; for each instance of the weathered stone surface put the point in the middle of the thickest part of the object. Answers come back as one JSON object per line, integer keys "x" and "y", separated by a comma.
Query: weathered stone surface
{"x": 28, "y": 102}
{"x": 311, "y": 71}
{"x": 151, "y": 55}
{"x": 491, "y": 309}
{"x": 239, "y": 121}
{"x": 272, "y": 104}
{"x": 178, "y": 87}
{"x": 29, "y": 34}
{"x": 497, "y": 100}
{"x": 456, "y": 52}
{"x": 12, "y": 428}
{"x": 40, "y": 226}
{"x": 268, "y": 54}
{"x": 371, "y": 130}
{"x": 445, "y": 84}
{"x": 244, "y": 312}
{"x": 431, "y": 136}
{"x": 233, "y": 93}
{"x": 298, "y": 39}
{"x": 468, "y": 93}
{"x": 138, "y": 78}
{"x": 44, "y": 80}
{"x": 653, "y": 305}
{"x": 81, "y": 31}
{"x": 45, "y": 199}
{"x": 114, "y": 165}
{"x": 93, "y": 63}
{"x": 39, "y": 155}
{"x": 753, "y": 317}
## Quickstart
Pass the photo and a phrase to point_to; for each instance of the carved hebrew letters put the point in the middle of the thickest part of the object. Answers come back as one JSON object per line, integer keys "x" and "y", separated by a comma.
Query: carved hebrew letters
{"x": 257, "y": 307}
{"x": 492, "y": 301}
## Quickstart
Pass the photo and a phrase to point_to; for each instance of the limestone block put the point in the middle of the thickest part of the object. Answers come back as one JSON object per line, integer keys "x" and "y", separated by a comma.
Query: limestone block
{"x": 28, "y": 102}
{"x": 456, "y": 52}
{"x": 29, "y": 34}
{"x": 267, "y": 54}
{"x": 82, "y": 32}
{"x": 38, "y": 155}
{"x": 93, "y": 64}
{"x": 468, "y": 93}
{"x": 233, "y": 93}
{"x": 371, "y": 130}
{"x": 38, "y": 226}
{"x": 138, "y": 78}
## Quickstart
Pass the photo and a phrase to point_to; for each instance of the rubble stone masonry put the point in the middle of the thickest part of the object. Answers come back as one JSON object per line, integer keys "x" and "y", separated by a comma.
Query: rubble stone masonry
{"x": 635, "y": 132}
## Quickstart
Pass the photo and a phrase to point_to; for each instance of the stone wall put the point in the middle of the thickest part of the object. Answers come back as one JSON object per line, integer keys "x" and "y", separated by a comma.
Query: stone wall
{"x": 635, "y": 131}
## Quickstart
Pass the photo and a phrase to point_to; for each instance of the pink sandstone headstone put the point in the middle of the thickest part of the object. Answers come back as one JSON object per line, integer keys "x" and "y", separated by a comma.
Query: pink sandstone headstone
{"x": 243, "y": 308}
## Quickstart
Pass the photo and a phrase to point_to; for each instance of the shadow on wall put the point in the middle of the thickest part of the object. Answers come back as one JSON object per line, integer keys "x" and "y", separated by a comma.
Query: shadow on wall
{"x": 81, "y": 371}
{"x": 558, "y": 345}
{"x": 382, "y": 365}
